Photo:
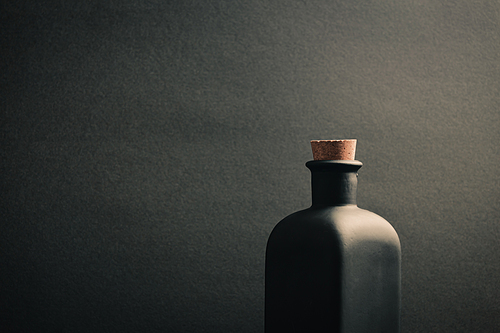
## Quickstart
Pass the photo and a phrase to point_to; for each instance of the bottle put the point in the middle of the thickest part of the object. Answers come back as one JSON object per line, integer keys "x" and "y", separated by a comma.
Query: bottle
{"x": 333, "y": 267}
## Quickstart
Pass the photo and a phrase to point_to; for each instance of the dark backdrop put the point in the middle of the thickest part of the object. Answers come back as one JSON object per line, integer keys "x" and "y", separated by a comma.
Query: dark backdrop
{"x": 149, "y": 147}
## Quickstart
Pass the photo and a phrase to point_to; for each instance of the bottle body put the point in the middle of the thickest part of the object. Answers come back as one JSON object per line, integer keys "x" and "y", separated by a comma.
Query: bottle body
{"x": 333, "y": 267}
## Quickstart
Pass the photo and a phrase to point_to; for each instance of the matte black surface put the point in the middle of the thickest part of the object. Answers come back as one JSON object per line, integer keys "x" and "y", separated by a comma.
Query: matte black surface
{"x": 149, "y": 147}
{"x": 333, "y": 267}
{"x": 337, "y": 189}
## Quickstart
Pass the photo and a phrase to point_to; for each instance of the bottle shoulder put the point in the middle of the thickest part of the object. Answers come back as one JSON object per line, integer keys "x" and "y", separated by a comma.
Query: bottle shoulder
{"x": 334, "y": 214}
{"x": 346, "y": 223}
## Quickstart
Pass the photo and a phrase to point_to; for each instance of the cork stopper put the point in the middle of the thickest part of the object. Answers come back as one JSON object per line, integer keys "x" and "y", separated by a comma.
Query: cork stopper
{"x": 326, "y": 150}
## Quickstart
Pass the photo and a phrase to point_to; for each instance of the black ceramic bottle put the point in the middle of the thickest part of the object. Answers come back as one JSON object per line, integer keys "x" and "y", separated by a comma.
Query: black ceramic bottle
{"x": 333, "y": 267}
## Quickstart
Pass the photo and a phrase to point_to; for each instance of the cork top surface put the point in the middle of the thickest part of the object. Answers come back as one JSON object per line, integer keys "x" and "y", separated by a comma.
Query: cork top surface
{"x": 326, "y": 150}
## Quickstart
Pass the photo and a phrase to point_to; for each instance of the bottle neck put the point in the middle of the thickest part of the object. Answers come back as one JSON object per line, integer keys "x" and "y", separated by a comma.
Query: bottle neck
{"x": 334, "y": 183}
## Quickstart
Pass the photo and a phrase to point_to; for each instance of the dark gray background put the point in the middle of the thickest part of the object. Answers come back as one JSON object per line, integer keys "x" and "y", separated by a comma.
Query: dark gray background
{"x": 149, "y": 147}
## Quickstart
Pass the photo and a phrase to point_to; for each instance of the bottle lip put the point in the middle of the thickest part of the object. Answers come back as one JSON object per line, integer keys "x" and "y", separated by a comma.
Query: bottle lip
{"x": 334, "y": 165}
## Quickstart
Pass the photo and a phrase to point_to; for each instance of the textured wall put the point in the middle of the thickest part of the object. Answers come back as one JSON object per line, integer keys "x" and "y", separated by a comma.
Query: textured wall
{"x": 149, "y": 147}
